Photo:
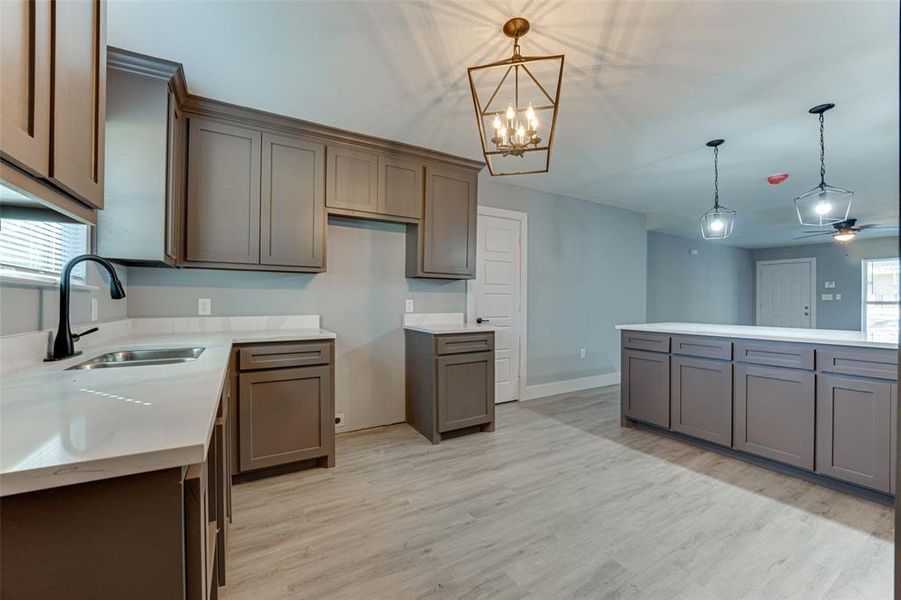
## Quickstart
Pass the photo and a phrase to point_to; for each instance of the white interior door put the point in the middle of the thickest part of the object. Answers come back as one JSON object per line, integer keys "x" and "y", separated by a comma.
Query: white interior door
{"x": 496, "y": 297}
{"x": 785, "y": 293}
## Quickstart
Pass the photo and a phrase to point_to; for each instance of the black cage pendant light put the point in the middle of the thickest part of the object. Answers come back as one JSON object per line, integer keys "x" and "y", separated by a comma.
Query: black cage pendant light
{"x": 716, "y": 223}
{"x": 823, "y": 204}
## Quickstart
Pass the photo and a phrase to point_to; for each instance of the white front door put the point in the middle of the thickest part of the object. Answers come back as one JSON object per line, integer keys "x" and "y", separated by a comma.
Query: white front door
{"x": 785, "y": 293}
{"x": 496, "y": 297}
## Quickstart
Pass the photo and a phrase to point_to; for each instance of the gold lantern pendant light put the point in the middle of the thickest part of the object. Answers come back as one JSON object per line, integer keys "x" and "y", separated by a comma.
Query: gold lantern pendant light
{"x": 516, "y": 101}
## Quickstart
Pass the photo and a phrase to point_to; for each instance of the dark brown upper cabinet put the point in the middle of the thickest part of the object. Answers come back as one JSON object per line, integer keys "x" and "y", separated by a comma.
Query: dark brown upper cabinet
{"x": 79, "y": 89}
{"x": 255, "y": 200}
{"x": 400, "y": 187}
{"x": 53, "y": 102}
{"x": 25, "y": 94}
{"x": 353, "y": 179}
{"x": 292, "y": 227}
{"x": 443, "y": 245}
{"x": 223, "y": 198}
{"x": 144, "y": 180}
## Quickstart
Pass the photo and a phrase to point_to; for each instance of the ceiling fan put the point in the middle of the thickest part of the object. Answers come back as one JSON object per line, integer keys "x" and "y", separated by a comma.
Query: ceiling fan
{"x": 843, "y": 231}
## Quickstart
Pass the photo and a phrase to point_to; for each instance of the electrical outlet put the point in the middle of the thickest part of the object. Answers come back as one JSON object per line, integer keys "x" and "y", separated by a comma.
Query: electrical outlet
{"x": 693, "y": 252}
{"x": 581, "y": 352}
{"x": 408, "y": 306}
{"x": 94, "y": 312}
{"x": 339, "y": 421}
{"x": 204, "y": 307}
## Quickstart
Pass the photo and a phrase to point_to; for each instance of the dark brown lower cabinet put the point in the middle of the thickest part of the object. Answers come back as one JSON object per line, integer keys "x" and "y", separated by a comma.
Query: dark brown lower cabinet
{"x": 465, "y": 383}
{"x": 285, "y": 405}
{"x": 450, "y": 382}
{"x": 854, "y": 430}
{"x": 701, "y": 398}
{"x": 148, "y": 536}
{"x": 774, "y": 413}
{"x": 646, "y": 386}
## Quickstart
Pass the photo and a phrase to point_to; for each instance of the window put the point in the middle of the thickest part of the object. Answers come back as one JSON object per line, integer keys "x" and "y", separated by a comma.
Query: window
{"x": 38, "y": 250}
{"x": 880, "y": 298}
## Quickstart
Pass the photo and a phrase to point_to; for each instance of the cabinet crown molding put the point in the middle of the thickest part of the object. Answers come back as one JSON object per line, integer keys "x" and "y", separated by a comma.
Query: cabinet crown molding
{"x": 148, "y": 66}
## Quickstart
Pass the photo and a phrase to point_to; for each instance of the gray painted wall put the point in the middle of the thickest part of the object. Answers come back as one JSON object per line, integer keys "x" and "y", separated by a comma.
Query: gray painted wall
{"x": 587, "y": 264}
{"x": 28, "y": 308}
{"x": 360, "y": 298}
{"x": 714, "y": 286}
{"x": 838, "y": 263}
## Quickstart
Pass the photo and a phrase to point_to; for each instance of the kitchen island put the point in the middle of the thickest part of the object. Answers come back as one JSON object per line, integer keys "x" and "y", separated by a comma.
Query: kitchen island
{"x": 820, "y": 402}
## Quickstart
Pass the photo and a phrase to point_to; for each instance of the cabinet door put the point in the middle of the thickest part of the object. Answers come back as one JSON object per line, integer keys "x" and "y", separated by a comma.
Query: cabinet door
{"x": 352, "y": 179}
{"x": 449, "y": 222}
{"x": 400, "y": 187}
{"x": 283, "y": 415}
{"x": 223, "y": 202}
{"x": 79, "y": 90}
{"x": 774, "y": 413}
{"x": 174, "y": 179}
{"x": 25, "y": 90}
{"x": 292, "y": 228}
{"x": 465, "y": 390}
{"x": 701, "y": 399}
{"x": 854, "y": 430}
{"x": 645, "y": 386}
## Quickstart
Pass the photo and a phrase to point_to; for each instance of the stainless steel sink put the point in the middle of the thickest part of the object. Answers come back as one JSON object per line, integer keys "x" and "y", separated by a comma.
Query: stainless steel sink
{"x": 140, "y": 358}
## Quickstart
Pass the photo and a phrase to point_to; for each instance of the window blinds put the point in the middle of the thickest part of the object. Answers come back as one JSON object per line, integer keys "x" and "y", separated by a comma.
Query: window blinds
{"x": 41, "y": 247}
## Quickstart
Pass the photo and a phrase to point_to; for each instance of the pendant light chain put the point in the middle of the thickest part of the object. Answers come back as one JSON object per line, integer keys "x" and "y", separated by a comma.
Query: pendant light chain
{"x": 822, "y": 152}
{"x": 716, "y": 177}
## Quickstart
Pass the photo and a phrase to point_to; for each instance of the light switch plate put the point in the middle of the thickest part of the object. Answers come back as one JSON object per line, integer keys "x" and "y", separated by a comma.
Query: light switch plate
{"x": 693, "y": 252}
{"x": 826, "y": 297}
{"x": 409, "y": 305}
{"x": 581, "y": 352}
{"x": 838, "y": 296}
{"x": 204, "y": 307}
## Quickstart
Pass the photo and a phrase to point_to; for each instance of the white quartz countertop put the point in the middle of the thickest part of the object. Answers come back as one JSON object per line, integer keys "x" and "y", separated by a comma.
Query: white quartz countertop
{"x": 440, "y": 329}
{"x": 60, "y": 427}
{"x": 832, "y": 337}
{"x": 441, "y": 323}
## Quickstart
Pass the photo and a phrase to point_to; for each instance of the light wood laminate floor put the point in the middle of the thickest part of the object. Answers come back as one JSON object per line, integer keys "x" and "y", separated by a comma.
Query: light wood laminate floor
{"x": 559, "y": 502}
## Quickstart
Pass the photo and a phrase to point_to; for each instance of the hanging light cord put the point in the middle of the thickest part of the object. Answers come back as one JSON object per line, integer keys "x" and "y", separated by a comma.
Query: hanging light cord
{"x": 716, "y": 177}
{"x": 822, "y": 153}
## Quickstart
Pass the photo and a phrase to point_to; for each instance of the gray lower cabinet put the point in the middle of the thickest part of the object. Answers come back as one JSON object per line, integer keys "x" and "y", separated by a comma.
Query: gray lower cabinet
{"x": 854, "y": 430}
{"x": 465, "y": 383}
{"x": 701, "y": 398}
{"x": 645, "y": 392}
{"x": 774, "y": 413}
{"x": 285, "y": 405}
{"x": 449, "y": 386}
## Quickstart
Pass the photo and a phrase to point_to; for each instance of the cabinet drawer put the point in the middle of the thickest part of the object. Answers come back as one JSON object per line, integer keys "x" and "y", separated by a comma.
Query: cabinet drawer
{"x": 644, "y": 340}
{"x": 466, "y": 342}
{"x": 702, "y": 347}
{"x": 882, "y": 364}
{"x": 776, "y": 354}
{"x": 273, "y": 356}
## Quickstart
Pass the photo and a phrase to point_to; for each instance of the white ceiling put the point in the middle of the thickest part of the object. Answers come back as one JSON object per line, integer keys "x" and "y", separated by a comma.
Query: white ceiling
{"x": 646, "y": 84}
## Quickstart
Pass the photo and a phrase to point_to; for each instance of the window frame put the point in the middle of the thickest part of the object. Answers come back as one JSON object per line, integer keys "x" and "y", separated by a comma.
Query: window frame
{"x": 864, "y": 303}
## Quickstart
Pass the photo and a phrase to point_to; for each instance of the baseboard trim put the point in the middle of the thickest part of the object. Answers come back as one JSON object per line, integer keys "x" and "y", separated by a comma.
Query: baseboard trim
{"x": 567, "y": 386}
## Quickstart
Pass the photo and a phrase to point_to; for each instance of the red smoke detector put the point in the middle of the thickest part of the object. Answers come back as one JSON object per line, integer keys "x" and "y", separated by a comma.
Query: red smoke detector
{"x": 777, "y": 178}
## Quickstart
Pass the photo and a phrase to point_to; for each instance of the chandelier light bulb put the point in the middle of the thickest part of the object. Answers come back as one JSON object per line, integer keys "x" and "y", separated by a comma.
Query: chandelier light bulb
{"x": 497, "y": 123}
{"x": 530, "y": 113}
{"x": 823, "y": 208}
{"x": 510, "y": 112}
{"x": 716, "y": 225}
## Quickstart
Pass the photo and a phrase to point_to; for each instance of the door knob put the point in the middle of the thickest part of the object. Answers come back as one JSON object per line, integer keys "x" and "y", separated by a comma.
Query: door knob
{"x": 481, "y": 320}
